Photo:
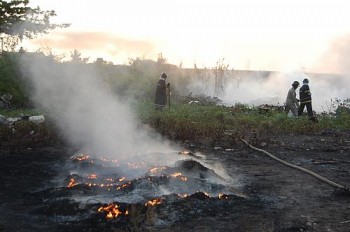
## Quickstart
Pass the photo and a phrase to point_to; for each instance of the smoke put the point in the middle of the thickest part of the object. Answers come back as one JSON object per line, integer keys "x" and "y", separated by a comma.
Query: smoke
{"x": 255, "y": 88}
{"x": 336, "y": 58}
{"x": 96, "y": 122}
{"x": 85, "y": 111}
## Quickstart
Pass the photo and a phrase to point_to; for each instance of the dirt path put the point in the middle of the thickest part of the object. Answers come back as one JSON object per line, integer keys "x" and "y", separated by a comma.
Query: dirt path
{"x": 273, "y": 196}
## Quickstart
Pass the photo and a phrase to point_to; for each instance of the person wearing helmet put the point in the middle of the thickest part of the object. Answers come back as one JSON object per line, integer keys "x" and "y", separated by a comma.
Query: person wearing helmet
{"x": 305, "y": 100}
{"x": 161, "y": 92}
{"x": 292, "y": 103}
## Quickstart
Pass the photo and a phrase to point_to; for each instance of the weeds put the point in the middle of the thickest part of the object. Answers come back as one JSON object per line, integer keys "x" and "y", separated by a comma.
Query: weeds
{"x": 188, "y": 121}
{"x": 194, "y": 122}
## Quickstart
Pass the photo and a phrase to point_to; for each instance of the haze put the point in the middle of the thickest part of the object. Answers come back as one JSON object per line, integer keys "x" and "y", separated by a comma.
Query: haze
{"x": 251, "y": 35}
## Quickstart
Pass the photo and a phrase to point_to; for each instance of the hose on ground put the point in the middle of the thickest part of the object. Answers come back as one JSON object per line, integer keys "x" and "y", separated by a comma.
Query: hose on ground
{"x": 299, "y": 168}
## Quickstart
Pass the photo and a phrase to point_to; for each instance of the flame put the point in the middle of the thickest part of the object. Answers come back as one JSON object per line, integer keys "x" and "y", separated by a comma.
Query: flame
{"x": 72, "y": 183}
{"x": 81, "y": 157}
{"x": 176, "y": 174}
{"x": 223, "y": 196}
{"x": 179, "y": 175}
{"x": 184, "y": 152}
{"x": 122, "y": 179}
{"x": 123, "y": 186}
{"x": 154, "y": 202}
{"x": 156, "y": 169}
{"x": 183, "y": 178}
{"x": 112, "y": 211}
{"x": 91, "y": 184}
{"x": 183, "y": 195}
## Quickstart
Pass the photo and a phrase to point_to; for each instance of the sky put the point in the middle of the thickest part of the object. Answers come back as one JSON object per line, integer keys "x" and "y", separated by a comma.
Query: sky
{"x": 269, "y": 35}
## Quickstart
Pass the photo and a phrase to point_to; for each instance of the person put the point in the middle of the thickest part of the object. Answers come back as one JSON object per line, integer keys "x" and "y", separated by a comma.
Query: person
{"x": 305, "y": 100}
{"x": 161, "y": 92}
{"x": 292, "y": 103}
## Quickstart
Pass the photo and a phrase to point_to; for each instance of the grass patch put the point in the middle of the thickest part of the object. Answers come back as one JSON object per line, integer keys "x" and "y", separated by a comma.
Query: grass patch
{"x": 188, "y": 121}
{"x": 20, "y": 112}
{"x": 191, "y": 122}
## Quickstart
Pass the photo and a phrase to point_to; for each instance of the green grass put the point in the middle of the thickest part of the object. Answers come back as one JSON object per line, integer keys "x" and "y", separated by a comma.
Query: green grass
{"x": 197, "y": 121}
{"x": 188, "y": 121}
{"x": 20, "y": 112}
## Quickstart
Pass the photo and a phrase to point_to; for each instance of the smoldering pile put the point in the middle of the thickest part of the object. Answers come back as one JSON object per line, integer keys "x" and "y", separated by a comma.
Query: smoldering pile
{"x": 101, "y": 192}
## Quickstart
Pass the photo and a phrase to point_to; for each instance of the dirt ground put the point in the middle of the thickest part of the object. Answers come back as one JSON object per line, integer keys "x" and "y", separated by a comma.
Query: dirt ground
{"x": 272, "y": 196}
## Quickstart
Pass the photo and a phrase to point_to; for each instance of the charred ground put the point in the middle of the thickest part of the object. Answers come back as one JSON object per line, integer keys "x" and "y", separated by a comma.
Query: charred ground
{"x": 271, "y": 196}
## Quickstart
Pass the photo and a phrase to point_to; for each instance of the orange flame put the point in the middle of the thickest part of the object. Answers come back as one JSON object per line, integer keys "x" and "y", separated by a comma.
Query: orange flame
{"x": 81, "y": 157}
{"x": 122, "y": 179}
{"x": 72, "y": 183}
{"x": 184, "y": 152}
{"x": 156, "y": 169}
{"x": 112, "y": 211}
{"x": 223, "y": 196}
{"x": 91, "y": 184}
{"x": 183, "y": 195}
{"x": 179, "y": 175}
{"x": 153, "y": 170}
{"x": 176, "y": 174}
{"x": 123, "y": 186}
{"x": 183, "y": 178}
{"x": 154, "y": 202}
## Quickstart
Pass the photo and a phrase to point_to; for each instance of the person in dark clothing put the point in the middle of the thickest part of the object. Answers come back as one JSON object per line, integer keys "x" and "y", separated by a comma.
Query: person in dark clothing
{"x": 161, "y": 93}
{"x": 305, "y": 100}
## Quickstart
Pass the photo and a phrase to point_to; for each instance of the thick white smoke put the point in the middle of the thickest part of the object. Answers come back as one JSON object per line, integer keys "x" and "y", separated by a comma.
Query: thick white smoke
{"x": 256, "y": 90}
{"x": 86, "y": 113}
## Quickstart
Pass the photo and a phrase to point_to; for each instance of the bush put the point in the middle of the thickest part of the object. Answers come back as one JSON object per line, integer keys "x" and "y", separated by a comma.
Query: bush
{"x": 10, "y": 80}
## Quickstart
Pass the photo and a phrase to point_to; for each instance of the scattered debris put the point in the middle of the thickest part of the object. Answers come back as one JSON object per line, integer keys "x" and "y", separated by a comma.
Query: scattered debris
{"x": 265, "y": 108}
{"x": 11, "y": 120}
{"x": 5, "y": 100}
{"x": 324, "y": 162}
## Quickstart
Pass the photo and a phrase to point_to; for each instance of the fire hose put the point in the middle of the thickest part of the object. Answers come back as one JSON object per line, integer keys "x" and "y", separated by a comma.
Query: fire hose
{"x": 341, "y": 187}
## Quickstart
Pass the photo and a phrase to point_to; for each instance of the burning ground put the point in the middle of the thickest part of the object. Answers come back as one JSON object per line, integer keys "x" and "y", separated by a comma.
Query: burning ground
{"x": 53, "y": 187}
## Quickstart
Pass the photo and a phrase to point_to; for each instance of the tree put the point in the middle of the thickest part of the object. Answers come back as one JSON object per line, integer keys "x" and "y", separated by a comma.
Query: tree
{"x": 76, "y": 57}
{"x": 19, "y": 20}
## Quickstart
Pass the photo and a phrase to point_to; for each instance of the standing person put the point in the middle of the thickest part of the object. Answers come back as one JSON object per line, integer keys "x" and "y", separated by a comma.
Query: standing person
{"x": 292, "y": 103}
{"x": 161, "y": 93}
{"x": 305, "y": 100}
